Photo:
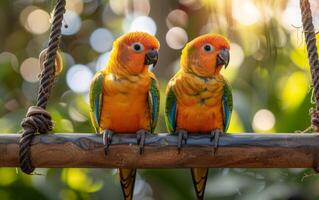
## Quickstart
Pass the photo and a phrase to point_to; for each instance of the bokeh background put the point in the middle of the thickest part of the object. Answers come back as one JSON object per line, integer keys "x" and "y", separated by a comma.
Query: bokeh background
{"x": 268, "y": 71}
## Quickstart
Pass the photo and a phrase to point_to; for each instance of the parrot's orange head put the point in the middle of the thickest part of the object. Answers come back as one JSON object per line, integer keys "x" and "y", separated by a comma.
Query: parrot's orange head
{"x": 135, "y": 51}
{"x": 206, "y": 55}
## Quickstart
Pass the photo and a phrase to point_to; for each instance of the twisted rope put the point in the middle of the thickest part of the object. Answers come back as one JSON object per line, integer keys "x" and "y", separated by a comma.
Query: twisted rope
{"x": 38, "y": 120}
{"x": 310, "y": 37}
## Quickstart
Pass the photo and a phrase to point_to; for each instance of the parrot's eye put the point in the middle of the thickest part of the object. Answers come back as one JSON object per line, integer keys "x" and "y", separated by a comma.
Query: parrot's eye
{"x": 208, "y": 48}
{"x": 138, "y": 47}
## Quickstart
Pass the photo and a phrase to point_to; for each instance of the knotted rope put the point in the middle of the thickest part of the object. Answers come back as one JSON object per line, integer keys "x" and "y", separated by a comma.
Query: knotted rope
{"x": 310, "y": 37}
{"x": 38, "y": 120}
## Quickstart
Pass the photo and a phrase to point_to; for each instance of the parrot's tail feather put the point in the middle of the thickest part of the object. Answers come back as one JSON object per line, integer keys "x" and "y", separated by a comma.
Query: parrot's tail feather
{"x": 127, "y": 179}
{"x": 199, "y": 176}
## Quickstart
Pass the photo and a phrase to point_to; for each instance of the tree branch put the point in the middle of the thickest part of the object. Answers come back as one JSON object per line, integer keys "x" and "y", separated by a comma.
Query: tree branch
{"x": 236, "y": 150}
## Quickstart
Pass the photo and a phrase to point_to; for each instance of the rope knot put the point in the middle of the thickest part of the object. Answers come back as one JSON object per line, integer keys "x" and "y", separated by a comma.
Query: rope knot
{"x": 38, "y": 120}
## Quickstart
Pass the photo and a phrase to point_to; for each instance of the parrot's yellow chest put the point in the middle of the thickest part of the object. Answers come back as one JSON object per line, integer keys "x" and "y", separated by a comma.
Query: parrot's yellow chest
{"x": 125, "y": 106}
{"x": 199, "y": 102}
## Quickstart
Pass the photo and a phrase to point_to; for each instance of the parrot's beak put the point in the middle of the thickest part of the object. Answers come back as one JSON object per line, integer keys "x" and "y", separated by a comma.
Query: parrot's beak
{"x": 223, "y": 57}
{"x": 151, "y": 57}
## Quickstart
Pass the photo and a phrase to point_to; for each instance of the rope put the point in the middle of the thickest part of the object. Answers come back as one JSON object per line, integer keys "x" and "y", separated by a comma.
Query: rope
{"x": 38, "y": 120}
{"x": 310, "y": 37}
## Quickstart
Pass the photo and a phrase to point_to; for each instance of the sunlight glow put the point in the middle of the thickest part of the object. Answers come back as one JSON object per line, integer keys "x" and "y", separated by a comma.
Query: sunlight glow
{"x": 291, "y": 16}
{"x": 293, "y": 90}
{"x": 245, "y": 12}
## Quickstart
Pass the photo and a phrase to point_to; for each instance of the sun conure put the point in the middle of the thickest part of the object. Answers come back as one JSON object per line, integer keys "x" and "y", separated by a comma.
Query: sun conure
{"x": 198, "y": 98}
{"x": 124, "y": 95}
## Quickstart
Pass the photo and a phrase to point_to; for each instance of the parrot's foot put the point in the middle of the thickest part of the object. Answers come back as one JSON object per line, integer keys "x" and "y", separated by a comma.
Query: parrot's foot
{"x": 107, "y": 139}
{"x": 215, "y": 134}
{"x": 140, "y": 136}
{"x": 182, "y": 136}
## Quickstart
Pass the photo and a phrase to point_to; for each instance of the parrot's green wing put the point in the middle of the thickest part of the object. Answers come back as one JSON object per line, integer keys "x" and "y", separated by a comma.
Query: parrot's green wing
{"x": 170, "y": 110}
{"x": 153, "y": 102}
{"x": 227, "y": 104}
{"x": 96, "y": 99}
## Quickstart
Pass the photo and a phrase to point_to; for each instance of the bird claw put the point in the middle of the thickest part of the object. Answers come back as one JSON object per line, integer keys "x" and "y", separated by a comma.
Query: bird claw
{"x": 182, "y": 136}
{"x": 107, "y": 140}
{"x": 140, "y": 136}
{"x": 214, "y": 136}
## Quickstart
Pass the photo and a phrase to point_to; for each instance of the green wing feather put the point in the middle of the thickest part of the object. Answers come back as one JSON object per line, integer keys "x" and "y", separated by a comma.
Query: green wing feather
{"x": 154, "y": 102}
{"x": 170, "y": 109}
{"x": 227, "y": 104}
{"x": 96, "y": 100}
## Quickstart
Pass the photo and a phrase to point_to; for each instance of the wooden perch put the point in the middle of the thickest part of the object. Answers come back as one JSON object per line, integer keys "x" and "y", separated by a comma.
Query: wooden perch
{"x": 236, "y": 150}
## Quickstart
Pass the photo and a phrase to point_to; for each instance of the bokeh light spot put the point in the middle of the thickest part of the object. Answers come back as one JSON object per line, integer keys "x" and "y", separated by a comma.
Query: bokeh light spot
{"x": 117, "y": 6}
{"x": 71, "y": 23}
{"x": 263, "y": 120}
{"x": 102, "y": 61}
{"x": 30, "y": 69}
{"x": 9, "y": 58}
{"x": 78, "y": 78}
{"x": 141, "y": 7}
{"x": 145, "y": 24}
{"x": 245, "y": 12}
{"x": 192, "y": 4}
{"x": 101, "y": 40}
{"x": 237, "y": 55}
{"x": 24, "y": 16}
{"x": 291, "y": 16}
{"x": 177, "y": 18}
{"x": 38, "y": 21}
{"x": 74, "y": 5}
{"x": 176, "y": 38}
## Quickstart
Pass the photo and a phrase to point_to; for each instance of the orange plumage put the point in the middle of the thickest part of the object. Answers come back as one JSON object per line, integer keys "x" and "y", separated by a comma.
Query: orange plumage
{"x": 126, "y": 99}
{"x": 126, "y": 85}
{"x": 199, "y": 102}
{"x": 124, "y": 96}
{"x": 199, "y": 86}
{"x": 198, "y": 98}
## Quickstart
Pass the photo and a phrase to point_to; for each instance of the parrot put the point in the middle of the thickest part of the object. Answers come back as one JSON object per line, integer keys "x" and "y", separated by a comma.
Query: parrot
{"x": 198, "y": 97}
{"x": 124, "y": 96}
